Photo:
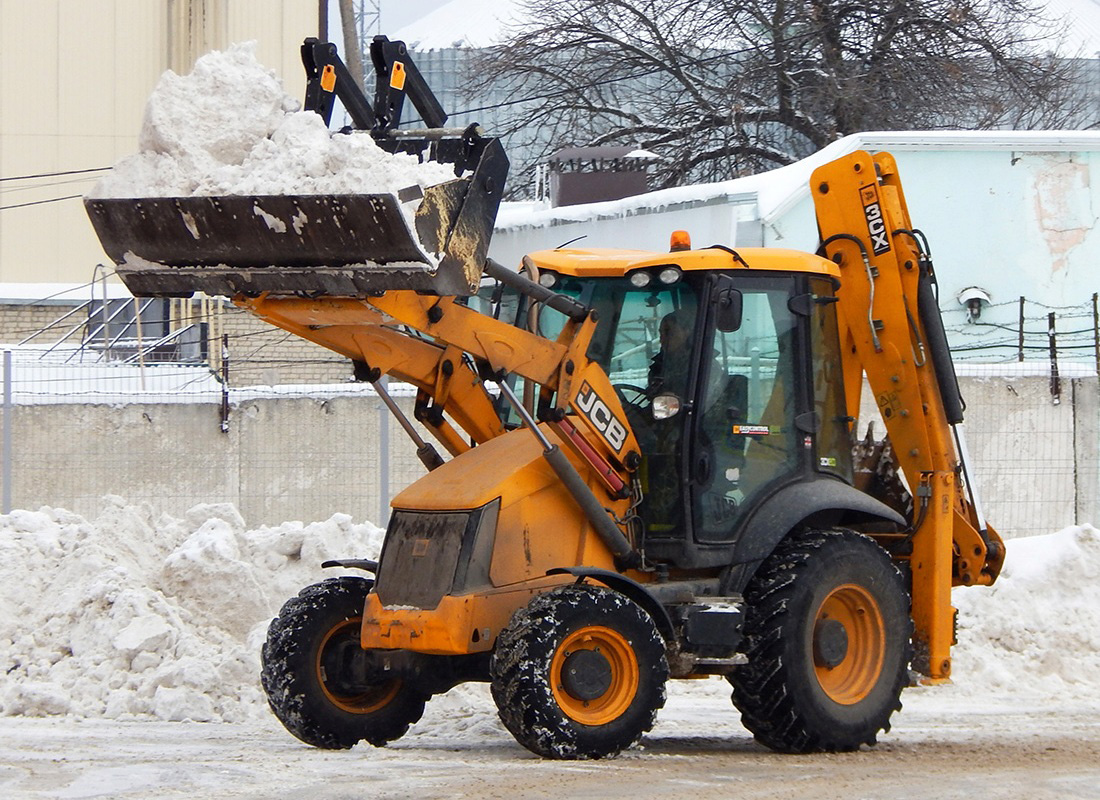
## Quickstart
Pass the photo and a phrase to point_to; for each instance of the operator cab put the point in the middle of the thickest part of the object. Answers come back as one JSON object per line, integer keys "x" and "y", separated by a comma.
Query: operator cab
{"x": 730, "y": 379}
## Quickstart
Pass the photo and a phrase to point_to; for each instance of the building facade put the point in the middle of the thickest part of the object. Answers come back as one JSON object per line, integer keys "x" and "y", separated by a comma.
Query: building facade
{"x": 74, "y": 77}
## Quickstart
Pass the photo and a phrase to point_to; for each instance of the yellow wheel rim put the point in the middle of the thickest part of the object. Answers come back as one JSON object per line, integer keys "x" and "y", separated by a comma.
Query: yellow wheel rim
{"x": 620, "y": 675}
{"x": 358, "y": 703}
{"x": 849, "y": 675}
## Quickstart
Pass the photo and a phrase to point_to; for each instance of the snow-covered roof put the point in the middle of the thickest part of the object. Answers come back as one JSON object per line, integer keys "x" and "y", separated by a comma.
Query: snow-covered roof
{"x": 777, "y": 189}
{"x": 461, "y": 23}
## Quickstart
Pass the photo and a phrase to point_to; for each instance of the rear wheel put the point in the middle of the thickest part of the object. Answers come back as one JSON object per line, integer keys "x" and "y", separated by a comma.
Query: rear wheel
{"x": 827, "y": 633}
{"x": 579, "y": 673}
{"x": 304, "y": 673}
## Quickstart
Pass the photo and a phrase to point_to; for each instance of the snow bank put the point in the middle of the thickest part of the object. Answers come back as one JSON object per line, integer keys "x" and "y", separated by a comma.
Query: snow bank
{"x": 128, "y": 615}
{"x": 229, "y": 128}
{"x": 1037, "y": 630}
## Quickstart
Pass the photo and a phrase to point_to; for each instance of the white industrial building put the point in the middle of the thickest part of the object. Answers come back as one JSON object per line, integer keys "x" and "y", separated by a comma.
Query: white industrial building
{"x": 1009, "y": 214}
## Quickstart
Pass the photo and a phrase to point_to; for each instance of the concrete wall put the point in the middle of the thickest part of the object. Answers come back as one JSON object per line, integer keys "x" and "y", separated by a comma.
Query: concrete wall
{"x": 281, "y": 459}
{"x": 1037, "y": 463}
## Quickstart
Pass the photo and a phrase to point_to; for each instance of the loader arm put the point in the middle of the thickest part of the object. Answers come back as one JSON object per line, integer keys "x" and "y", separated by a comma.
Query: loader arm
{"x": 383, "y": 332}
{"x": 360, "y": 332}
{"x": 891, "y": 322}
{"x": 384, "y": 293}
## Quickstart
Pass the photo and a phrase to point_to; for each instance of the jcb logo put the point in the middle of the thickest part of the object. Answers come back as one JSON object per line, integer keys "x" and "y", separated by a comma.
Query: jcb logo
{"x": 876, "y": 223}
{"x": 597, "y": 412}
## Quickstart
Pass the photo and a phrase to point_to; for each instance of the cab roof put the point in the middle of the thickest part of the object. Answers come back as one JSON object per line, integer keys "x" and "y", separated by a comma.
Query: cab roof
{"x": 613, "y": 263}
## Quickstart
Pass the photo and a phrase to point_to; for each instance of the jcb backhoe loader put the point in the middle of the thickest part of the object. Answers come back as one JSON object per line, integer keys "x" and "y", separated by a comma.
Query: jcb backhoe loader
{"x": 653, "y": 470}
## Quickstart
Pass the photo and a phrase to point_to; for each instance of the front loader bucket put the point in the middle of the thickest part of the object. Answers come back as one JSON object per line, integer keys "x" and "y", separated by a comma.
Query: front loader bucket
{"x": 336, "y": 245}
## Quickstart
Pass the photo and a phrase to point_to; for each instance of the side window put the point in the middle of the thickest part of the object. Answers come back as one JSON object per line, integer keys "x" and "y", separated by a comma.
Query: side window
{"x": 652, "y": 340}
{"x": 834, "y": 443}
{"x": 747, "y": 438}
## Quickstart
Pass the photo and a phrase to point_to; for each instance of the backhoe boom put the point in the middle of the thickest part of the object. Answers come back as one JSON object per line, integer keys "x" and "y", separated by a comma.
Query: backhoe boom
{"x": 892, "y": 324}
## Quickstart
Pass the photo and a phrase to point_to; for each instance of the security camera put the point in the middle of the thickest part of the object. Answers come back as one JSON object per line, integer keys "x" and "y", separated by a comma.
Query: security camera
{"x": 972, "y": 297}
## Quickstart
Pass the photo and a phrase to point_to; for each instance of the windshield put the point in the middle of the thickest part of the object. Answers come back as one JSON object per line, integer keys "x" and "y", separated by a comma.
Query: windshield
{"x": 633, "y": 324}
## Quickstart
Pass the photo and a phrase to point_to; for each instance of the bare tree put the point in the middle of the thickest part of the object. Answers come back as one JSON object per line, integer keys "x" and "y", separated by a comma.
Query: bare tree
{"x": 721, "y": 88}
{"x": 353, "y": 45}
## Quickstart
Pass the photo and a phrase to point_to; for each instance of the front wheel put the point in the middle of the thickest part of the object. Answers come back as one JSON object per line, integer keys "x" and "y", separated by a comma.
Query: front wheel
{"x": 303, "y": 677}
{"x": 579, "y": 673}
{"x": 827, "y": 633}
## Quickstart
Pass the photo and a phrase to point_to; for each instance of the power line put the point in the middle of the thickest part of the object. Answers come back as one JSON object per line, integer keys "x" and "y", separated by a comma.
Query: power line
{"x": 53, "y": 174}
{"x": 39, "y": 187}
{"x": 40, "y": 202}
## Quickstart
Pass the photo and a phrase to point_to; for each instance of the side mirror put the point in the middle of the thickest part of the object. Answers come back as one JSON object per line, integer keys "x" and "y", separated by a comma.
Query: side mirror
{"x": 665, "y": 406}
{"x": 728, "y": 309}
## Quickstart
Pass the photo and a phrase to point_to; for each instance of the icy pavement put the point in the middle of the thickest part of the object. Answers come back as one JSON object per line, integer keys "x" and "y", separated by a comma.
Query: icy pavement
{"x": 112, "y": 628}
{"x": 942, "y": 746}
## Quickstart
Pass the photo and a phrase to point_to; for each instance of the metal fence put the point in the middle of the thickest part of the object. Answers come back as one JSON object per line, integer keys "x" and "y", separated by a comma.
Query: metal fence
{"x": 173, "y": 436}
{"x": 76, "y": 428}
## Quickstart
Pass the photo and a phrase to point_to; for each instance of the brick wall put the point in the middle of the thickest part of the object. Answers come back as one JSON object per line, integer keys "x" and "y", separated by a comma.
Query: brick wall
{"x": 21, "y": 320}
{"x": 259, "y": 353}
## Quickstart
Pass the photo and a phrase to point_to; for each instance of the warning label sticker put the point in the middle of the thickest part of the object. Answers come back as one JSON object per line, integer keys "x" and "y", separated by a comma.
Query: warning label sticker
{"x": 751, "y": 430}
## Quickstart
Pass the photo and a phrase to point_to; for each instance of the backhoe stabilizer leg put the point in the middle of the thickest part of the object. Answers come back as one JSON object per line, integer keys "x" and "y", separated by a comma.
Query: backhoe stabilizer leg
{"x": 931, "y": 566}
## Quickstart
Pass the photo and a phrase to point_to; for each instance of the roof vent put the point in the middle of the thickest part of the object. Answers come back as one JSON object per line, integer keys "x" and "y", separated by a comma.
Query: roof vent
{"x": 594, "y": 174}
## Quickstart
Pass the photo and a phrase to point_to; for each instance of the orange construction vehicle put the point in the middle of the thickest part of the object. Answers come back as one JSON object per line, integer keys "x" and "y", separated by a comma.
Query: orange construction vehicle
{"x": 652, "y": 469}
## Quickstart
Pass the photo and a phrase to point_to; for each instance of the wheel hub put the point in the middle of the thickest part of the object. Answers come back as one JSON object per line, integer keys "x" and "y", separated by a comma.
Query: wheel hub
{"x": 849, "y": 644}
{"x": 830, "y": 643}
{"x": 341, "y": 668}
{"x": 586, "y": 674}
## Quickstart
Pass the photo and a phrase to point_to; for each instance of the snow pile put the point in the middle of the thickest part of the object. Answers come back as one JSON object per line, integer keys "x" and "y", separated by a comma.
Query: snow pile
{"x": 128, "y": 615}
{"x": 131, "y": 616}
{"x": 229, "y": 128}
{"x": 1037, "y": 630}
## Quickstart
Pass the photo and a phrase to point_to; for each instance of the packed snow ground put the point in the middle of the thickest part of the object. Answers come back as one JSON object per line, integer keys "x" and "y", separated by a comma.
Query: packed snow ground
{"x": 119, "y": 634}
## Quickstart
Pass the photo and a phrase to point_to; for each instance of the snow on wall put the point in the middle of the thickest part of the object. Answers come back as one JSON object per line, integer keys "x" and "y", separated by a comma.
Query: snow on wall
{"x": 1037, "y": 630}
{"x": 160, "y": 617}
{"x": 134, "y": 616}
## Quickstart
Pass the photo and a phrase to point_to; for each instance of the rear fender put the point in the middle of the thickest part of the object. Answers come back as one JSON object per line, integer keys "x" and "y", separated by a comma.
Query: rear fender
{"x": 822, "y": 503}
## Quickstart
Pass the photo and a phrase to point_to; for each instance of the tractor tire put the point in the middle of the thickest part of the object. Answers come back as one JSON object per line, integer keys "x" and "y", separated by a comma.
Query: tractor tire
{"x": 827, "y": 632}
{"x": 311, "y": 703}
{"x": 579, "y": 673}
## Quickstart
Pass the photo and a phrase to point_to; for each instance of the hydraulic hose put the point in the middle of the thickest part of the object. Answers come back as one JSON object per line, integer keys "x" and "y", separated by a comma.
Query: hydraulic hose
{"x": 928, "y": 309}
{"x": 559, "y": 302}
